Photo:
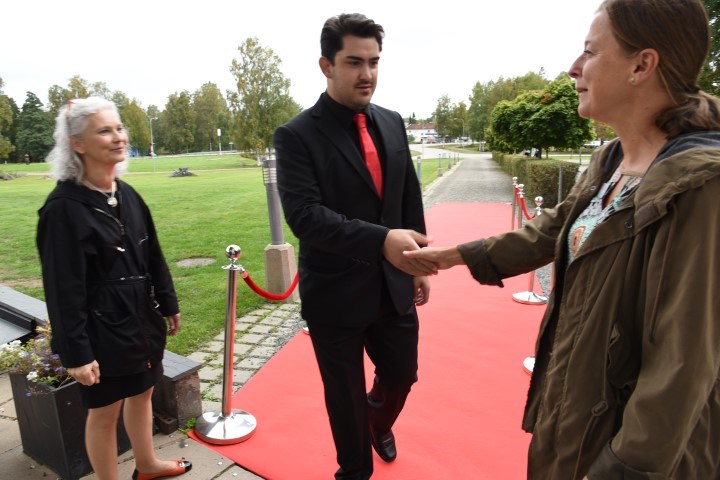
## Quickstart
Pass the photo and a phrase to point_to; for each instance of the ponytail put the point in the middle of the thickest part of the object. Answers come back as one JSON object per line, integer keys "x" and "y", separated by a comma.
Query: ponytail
{"x": 699, "y": 111}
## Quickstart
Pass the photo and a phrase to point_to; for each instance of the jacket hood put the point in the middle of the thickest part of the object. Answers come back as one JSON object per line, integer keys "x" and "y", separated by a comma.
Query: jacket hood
{"x": 686, "y": 161}
{"x": 70, "y": 189}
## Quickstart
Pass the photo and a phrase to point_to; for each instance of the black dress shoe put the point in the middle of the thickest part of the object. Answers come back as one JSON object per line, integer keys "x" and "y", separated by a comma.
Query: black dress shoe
{"x": 384, "y": 445}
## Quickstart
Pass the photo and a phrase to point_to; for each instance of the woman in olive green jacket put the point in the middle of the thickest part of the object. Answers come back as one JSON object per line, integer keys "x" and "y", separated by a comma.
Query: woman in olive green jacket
{"x": 626, "y": 383}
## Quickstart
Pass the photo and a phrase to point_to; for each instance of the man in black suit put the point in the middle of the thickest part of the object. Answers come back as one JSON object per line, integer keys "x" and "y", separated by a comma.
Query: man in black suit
{"x": 358, "y": 290}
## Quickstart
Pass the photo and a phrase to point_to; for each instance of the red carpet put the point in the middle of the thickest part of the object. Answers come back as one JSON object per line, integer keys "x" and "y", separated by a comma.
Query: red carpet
{"x": 462, "y": 419}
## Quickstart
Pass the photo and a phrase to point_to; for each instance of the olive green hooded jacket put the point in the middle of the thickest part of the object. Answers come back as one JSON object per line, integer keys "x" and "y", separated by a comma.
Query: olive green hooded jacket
{"x": 626, "y": 379}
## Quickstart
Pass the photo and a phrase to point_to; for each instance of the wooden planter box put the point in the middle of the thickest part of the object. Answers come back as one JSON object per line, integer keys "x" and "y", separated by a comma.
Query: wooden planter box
{"x": 52, "y": 426}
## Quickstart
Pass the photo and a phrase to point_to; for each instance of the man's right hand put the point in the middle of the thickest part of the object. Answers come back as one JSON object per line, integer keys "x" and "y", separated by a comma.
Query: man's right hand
{"x": 400, "y": 240}
{"x": 441, "y": 257}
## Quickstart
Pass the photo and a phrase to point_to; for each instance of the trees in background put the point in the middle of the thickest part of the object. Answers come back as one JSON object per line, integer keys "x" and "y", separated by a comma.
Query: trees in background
{"x": 442, "y": 116}
{"x": 710, "y": 75}
{"x": 451, "y": 119}
{"x": 486, "y": 95}
{"x": 77, "y": 87}
{"x": 249, "y": 115}
{"x": 262, "y": 101}
{"x": 187, "y": 123}
{"x": 34, "y": 130}
{"x": 137, "y": 126}
{"x": 178, "y": 122}
{"x": 211, "y": 113}
{"x": 603, "y": 131}
{"x": 6, "y": 124}
{"x": 540, "y": 119}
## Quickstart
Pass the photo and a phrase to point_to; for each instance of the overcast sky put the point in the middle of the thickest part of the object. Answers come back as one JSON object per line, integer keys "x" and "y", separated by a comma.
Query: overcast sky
{"x": 149, "y": 49}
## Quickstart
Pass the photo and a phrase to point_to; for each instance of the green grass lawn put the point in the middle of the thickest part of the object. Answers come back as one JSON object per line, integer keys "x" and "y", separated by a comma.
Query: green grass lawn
{"x": 195, "y": 216}
{"x": 159, "y": 164}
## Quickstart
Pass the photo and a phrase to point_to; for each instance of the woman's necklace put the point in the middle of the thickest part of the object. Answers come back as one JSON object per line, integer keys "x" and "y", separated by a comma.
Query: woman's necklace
{"x": 111, "y": 200}
{"x": 631, "y": 173}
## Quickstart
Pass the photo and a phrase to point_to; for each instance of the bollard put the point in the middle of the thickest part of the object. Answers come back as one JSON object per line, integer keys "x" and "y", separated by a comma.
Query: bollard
{"x": 418, "y": 170}
{"x": 228, "y": 426}
{"x": 440, "y": 165}
{"x": 269, "y": 169}
{"x": 530, "y": 297}
{"x": 280, "y": 265}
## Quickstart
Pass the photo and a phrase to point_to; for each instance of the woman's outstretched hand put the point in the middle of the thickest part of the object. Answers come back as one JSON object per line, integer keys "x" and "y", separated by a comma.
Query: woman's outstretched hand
{"x": 442, "y": 257}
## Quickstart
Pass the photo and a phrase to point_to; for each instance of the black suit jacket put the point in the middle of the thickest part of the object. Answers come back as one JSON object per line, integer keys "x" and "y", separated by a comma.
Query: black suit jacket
{"x": 332, "y": 206}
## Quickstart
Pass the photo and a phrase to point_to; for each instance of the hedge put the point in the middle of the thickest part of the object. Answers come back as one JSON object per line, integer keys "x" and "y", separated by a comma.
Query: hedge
{"x": 539, "y": 177}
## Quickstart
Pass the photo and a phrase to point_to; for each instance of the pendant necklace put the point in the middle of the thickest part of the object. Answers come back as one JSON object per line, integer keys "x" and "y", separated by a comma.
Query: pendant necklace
{"x": 111, "y": 200}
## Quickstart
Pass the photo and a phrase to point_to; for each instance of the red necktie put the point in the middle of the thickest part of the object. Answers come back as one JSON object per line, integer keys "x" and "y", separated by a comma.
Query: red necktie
{"x": 372, "y": 160}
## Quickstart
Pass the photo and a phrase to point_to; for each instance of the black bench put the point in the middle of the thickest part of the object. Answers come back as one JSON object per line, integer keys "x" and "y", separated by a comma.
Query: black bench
{"x": 176, "y": 398}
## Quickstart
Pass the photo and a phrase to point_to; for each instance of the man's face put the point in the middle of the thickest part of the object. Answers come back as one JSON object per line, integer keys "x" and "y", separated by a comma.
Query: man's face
{"x": 352, "y": 78}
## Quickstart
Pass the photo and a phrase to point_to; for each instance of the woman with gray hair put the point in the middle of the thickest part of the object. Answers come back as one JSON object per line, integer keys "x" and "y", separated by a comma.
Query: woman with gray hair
{"x": 107, "y": 286}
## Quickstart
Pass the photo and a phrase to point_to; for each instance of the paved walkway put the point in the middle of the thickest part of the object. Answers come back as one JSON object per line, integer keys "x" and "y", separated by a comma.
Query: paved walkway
{"x": 259, "y": 334}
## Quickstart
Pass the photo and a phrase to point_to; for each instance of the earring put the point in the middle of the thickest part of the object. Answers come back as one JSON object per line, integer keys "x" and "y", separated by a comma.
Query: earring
{"x": 632, "y": 80}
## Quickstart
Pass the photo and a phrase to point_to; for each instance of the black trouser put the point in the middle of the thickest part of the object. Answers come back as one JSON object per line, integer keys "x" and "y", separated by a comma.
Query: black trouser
{"x": 391, "y": 343}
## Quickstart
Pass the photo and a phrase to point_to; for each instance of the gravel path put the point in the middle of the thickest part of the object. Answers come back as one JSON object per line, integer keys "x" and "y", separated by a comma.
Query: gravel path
{"x": 476, "y": 178}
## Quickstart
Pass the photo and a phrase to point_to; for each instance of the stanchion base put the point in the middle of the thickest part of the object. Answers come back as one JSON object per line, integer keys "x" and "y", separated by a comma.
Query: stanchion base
{"x": 529, "y": 298}
{"x": 529, "y": 365}
{"x": 213, "y": 428}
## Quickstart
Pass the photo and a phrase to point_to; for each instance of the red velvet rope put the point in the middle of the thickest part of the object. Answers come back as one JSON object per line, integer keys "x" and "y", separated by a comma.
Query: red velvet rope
{"x": 521, "y": 202}
{"x": 270, "y": 296}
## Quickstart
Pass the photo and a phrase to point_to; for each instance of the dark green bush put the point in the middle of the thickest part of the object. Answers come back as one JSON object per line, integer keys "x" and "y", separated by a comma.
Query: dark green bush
{"x": 539, "y": 177}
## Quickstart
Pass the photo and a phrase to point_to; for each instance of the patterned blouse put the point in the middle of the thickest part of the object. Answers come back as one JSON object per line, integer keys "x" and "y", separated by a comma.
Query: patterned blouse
{"x": 595, "y": 214}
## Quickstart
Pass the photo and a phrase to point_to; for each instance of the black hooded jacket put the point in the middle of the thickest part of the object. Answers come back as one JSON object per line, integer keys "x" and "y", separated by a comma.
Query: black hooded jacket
{"x": 107, "y": 286}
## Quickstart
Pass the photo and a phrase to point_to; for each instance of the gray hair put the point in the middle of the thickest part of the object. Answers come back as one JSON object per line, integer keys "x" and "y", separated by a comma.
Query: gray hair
{"x": 71, "y": 121}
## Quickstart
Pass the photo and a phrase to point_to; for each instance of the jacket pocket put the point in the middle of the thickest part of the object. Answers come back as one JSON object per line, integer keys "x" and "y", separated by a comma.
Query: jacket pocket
{"x": 623, "y": 361}
{"x": 588, "y": 449}
{"x": 118, "y": 341}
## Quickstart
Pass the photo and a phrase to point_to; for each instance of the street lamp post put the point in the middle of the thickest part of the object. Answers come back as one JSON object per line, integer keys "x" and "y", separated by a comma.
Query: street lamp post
{"x": 152, "y": 142}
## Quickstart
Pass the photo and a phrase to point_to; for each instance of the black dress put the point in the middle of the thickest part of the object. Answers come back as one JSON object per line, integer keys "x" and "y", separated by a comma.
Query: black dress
{"x": 112, "y": 389}
{"x": 107, "y": 287}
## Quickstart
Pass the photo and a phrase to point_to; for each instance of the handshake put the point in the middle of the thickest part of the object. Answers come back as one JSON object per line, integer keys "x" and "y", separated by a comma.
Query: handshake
{"x": 408, "y": 251}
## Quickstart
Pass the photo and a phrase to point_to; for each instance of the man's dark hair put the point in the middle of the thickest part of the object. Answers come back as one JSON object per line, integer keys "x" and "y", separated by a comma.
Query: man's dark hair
{"x": 355, "y": 24}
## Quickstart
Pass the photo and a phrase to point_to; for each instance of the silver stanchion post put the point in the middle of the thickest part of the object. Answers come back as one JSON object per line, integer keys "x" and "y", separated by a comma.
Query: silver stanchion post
{"x": 521, "y": 196}
{"x": 530, "y": 297}
{"x": 514, "y": 203}
{"x": 228, "y": 426}
{"x": 529, "y": 364}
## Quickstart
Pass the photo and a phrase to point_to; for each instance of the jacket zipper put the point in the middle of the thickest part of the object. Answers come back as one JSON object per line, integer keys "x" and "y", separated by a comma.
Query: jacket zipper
{"x": 122, "y": 227}
{"x": 122, "y": 236}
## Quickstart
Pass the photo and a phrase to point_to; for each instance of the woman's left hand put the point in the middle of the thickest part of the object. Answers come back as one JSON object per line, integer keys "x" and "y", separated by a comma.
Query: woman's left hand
{"x": 173, "y": 324}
